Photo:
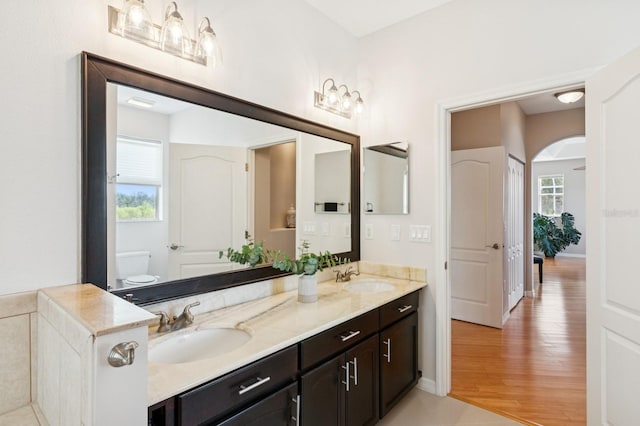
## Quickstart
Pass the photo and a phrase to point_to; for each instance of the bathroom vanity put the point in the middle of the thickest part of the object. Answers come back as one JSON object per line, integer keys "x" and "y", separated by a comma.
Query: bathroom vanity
{"x": 347, "y": 359}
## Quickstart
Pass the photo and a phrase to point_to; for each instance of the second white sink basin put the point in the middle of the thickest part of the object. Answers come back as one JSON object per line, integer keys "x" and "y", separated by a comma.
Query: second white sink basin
{"x": 371, "y": 286}
{"x": 198, "y": 344}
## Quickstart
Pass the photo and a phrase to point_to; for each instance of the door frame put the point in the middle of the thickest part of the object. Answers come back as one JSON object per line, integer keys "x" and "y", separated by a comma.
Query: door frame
{"x": 442, "y": 240}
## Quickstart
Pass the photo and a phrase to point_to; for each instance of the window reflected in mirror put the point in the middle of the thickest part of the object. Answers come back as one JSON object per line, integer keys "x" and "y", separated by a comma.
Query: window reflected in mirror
{"x": 386, "y": 179}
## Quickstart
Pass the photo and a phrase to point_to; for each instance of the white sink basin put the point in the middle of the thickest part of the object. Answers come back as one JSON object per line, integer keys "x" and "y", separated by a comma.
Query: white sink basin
{"x": 194, "y": 345}
{"x": 369, "y": 286}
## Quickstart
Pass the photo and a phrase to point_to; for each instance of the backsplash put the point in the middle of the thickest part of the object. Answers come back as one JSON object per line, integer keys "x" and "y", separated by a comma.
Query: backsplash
{"x": 246, "y": 293}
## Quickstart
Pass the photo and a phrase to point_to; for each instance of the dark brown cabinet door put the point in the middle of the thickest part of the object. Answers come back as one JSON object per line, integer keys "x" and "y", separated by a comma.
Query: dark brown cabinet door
{"x": 321, "y": 394}
{"x": 279, "y": 409}
{"x": 361, "y": 400}
{"x": 398, "y": 361}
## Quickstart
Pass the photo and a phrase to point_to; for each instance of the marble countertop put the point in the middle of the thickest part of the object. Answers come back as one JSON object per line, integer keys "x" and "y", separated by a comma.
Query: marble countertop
{"x": 98, "y": 311}
{"x": 274, "y": 323}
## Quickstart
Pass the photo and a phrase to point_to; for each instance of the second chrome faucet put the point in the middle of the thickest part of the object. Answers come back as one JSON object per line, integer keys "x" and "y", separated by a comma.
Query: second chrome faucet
{"x": 181, "y": 321}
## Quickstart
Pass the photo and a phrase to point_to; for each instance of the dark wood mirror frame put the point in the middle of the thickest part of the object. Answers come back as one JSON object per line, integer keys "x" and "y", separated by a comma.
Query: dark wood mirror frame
{"x": 96, "y": 73}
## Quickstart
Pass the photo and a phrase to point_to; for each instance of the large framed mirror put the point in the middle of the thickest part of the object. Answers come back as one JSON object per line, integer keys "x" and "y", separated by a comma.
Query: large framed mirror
{"x": 173, "y": 173}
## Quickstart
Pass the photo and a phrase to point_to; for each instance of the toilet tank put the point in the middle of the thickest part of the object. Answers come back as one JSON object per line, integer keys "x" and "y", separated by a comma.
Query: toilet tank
{"x": 131, "y": 263}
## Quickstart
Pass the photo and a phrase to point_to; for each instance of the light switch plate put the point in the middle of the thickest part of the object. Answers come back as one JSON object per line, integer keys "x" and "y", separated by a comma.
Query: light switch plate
{"x": 368, "y": 231}
{"x": 420, "y": 233}
{"x": 395, "y": 232}
{"x": 309, "y": 228}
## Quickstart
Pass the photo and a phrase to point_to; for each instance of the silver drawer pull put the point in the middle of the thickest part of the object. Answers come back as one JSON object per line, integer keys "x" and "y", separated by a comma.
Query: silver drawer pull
{"x": 405, "y": 308}
{"x": 347, "y": 376}
{"x": 244, "y": 389}
{"x": 355, "y": 370}
{"x": 351, "y": 335}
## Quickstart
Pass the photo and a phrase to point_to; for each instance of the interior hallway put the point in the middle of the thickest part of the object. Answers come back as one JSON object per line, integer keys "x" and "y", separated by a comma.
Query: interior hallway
{"x": 535, "y": 368}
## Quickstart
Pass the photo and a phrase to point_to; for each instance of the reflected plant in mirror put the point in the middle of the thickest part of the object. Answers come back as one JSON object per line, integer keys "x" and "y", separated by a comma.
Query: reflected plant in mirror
{"x": 386, "y": 178}
{"x": 173, "y": 173}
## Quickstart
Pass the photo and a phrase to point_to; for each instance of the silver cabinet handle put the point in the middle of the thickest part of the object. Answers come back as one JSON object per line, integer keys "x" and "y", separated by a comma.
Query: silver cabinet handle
{"x": 494, "y": 246}
{"x": 388, "y": 354}
{"x": 175, "y": 246}
{"x": 296, "y": 401}
{"x": 346, "y": 383}
{"x": 351, "y": 335}
{"x": 259, "y": 382}
{"x": 355, "y": 370}
{"x": 122, "y": 354}
{"x": 405, "y": 308}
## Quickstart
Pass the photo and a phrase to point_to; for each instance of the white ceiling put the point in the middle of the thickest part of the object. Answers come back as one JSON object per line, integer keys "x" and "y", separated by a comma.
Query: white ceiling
{"x": 362, "y": 17}
{"x": 546, "y": 102}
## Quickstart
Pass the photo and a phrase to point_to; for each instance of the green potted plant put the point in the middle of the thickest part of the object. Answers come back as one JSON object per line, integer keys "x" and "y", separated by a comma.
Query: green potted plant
{"x": 306, "y": 265}
{"x": 551, "y": 238}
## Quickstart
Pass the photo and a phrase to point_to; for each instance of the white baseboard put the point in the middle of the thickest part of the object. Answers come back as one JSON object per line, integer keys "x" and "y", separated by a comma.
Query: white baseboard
{"x": 529, "y": 293}
{"x": 427, "y": 385}
{"x": 505, "y": 317}
{"x": 581, "y": 256}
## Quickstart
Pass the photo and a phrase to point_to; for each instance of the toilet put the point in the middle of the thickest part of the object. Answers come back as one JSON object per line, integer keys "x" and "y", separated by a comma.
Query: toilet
{"x": 132, "y": 268}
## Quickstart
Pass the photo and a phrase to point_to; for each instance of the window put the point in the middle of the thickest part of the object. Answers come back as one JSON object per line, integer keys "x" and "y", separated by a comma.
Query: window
{"x": 551, "y": 195}
{"x": 139, "y": 182}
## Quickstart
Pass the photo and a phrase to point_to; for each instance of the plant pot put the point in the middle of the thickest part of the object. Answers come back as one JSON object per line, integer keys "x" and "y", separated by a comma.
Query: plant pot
{"x": 307, "y": 288}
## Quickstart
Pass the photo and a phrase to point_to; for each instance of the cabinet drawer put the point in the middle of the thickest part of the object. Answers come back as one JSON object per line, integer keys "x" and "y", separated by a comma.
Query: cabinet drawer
{"x": 337, "y": 339}
{"x": 228, "y": 393}
{"x": 400, "y": 308}
{"x": 279, "y": 409}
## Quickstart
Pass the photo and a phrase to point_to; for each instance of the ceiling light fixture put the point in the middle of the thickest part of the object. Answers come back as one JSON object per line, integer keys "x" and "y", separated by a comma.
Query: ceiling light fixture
{"x": 133, "y": 22}
{"x": 570, "y": 96}
{"x": 338, "y": 102}
{"x": 139, "y": 102}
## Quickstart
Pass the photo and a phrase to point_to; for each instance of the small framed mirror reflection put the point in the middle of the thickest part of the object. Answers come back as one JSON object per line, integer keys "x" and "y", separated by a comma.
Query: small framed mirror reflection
{"x": 386, "y": 179}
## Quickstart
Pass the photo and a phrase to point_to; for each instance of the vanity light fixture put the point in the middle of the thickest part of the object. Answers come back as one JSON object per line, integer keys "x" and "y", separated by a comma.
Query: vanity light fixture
{"x": 337, "y": 100}
{"x": 570, "y": 96}
{"x": 133, "y": 22}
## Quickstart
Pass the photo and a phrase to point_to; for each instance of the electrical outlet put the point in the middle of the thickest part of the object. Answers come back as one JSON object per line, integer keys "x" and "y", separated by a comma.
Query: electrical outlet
{"x": 368, "y": 231}
{"x": 325, "y": 228}
{"x": 347, "y": 230}
{"x": 395, "y": 232}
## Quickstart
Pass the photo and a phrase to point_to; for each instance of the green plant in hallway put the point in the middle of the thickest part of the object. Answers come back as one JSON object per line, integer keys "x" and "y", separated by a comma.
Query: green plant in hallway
{"x": 550, "y": 238}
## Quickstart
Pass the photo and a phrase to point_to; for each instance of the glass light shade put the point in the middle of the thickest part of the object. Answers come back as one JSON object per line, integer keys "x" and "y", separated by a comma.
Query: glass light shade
{"x": 207, "y": 45}
{"x": 134, "y": 20}
{"x": 345, "y": 101}
{"x": 570, "y": 97}
{"x": 332, "y": 96}
{"x": 359, "y": 106}
{"x": 174, "y": 36}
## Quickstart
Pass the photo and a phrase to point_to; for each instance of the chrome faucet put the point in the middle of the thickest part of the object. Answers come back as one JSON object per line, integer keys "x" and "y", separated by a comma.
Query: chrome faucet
{"x": 181, "y": 321}
{"x": 346, "y": 275}
{"x": 185, "y": 318}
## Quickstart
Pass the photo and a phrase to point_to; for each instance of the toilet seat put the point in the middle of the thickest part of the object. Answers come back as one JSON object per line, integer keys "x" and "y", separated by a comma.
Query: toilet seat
{"x": 135, "y": 280}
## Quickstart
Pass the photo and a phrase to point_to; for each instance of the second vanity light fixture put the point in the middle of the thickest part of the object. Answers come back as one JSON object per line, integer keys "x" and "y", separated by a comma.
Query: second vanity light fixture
{"x": 338, "y": 101}
{"x": 134, "y": 23}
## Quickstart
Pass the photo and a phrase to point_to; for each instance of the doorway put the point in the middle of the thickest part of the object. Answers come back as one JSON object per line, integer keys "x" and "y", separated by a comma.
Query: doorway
{"x": 443, "y": 284}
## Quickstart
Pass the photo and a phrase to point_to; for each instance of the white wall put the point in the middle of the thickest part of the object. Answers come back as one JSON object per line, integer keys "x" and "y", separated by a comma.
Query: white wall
{"x": 574, "y": 194}
{"x": 462, "y": 49}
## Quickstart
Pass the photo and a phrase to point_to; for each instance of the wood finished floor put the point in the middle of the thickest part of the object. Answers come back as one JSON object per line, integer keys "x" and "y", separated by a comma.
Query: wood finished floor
{"x": 534, "y": 369}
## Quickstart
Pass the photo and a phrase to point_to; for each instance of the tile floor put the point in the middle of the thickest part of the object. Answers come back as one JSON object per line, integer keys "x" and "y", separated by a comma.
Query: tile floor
{"x": 420, "y": 408}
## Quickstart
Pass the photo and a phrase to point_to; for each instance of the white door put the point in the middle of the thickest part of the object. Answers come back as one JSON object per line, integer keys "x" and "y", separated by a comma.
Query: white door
{"x": 208, "y": 213}
{"x": 514, "y": 244}
{"x": 477, "y": 218}
{"x": 613, "y": 243}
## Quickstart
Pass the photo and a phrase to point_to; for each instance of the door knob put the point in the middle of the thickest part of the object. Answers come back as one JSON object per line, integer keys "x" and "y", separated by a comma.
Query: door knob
{"x": 174, "y": 246}
{"x": 494, "y": 246}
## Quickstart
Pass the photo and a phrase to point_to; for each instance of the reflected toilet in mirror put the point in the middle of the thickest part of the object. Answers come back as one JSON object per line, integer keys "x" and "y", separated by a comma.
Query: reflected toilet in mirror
{"x": 132, "y": 269}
